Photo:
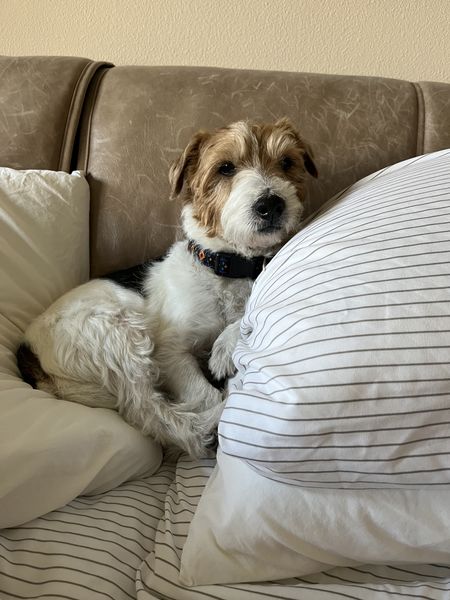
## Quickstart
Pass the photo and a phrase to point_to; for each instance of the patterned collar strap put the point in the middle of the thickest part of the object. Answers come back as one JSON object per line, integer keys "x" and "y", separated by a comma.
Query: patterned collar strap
{"x": 227, "y": 264}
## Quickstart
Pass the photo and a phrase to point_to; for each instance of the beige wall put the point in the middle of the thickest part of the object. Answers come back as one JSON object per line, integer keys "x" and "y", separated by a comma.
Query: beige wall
{"x": 408, "y": 39}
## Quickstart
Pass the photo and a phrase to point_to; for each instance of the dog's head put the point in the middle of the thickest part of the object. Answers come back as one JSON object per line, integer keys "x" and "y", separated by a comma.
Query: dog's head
{"x": 242, "y": 186}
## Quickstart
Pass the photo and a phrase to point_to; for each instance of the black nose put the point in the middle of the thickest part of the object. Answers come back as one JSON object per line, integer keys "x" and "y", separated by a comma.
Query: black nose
{"x": 270, "y": 207}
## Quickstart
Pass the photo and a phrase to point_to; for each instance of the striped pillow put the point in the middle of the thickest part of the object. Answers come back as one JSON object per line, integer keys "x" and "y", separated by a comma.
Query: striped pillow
{"x": 344, "y": 360}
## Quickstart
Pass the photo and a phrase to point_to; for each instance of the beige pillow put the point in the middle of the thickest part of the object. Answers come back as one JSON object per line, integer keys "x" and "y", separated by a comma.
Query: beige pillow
{"x": 51, "y": 450}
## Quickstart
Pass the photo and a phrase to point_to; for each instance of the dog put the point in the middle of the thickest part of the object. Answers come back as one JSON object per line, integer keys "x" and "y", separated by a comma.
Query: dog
{"x": 242, "y": 194}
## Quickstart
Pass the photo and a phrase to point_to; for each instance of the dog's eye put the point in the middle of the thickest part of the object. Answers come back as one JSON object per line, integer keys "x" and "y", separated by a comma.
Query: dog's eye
{"x": 227, "y": 168}
{"x": 286, "y": 163}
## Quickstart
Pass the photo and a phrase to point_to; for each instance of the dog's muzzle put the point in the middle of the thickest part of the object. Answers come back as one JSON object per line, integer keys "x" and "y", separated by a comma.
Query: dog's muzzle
{"x": 269, "y": 208}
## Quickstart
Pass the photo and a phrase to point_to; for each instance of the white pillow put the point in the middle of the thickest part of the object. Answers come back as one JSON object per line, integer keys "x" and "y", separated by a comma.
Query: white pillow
{"x": 312, "y": 408}
{"x": 51, "y": 450}
{"x": 344, "y": 363}
{"x": 251, "y": 528}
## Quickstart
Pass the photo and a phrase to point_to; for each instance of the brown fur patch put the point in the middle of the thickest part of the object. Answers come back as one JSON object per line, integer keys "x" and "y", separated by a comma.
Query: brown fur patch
{"x": 196, "y": 178}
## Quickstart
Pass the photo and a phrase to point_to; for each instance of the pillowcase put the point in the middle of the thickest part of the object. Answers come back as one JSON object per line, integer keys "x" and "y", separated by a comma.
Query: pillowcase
{"x": 344, "y": 363}
{"x": 250, "y": 528}
{"x": 51, "y": 450}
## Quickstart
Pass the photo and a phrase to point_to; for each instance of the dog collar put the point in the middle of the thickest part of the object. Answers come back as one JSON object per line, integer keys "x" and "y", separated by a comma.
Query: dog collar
{"x": 227, "y": 264}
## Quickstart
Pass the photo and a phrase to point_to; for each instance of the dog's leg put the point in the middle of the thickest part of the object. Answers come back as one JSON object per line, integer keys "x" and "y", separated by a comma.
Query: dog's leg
{"x": 94, "y": 347}
{"x": 221, "y": 361}
{"x": 148, "y": 410}
{"x": 172, "y": 424}
{"x": 132, "y": 392}
{"x": 143, "y": 405}
{"x": 181, "y": 374}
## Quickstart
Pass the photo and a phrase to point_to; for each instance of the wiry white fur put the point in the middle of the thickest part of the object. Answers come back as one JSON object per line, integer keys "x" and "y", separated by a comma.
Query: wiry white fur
{"x": 105, "y": 346}
{"x": 189, "y": 307}
{"x": 239, "y": 223}
{"x": 94, "y": 342}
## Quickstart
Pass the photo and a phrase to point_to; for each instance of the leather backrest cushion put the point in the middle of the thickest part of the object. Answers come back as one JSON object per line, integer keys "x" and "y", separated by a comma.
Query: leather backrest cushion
{"x": 135, "y": 121}
{"x": 142, "y": 117}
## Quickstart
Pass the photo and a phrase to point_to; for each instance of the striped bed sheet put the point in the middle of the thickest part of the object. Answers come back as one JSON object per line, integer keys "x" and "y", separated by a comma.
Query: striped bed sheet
{"x": 158, "y": 575}
{"x": 90, "y": 549}
{"x": 127, "y": 544}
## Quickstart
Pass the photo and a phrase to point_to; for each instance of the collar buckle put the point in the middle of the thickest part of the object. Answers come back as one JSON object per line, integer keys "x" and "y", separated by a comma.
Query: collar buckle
{"x": 222, "y": 264}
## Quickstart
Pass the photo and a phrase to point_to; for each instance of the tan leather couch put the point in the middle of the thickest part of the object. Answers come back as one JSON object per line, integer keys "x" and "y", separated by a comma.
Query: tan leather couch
{"x": 124, "y": 126}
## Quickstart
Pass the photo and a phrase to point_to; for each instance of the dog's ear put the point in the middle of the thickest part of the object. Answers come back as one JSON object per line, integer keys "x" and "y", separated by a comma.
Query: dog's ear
{"x": 308, "y": 160}
{"x": 185, "y": 162}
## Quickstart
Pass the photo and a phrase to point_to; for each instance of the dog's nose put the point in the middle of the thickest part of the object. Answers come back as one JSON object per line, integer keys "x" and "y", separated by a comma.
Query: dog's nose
{"x": 270, "y": 207}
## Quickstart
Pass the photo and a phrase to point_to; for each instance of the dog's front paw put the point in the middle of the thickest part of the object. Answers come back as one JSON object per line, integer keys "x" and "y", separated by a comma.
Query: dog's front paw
{"x": 202, "y": 439}
{"x": 220, "y": 362}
